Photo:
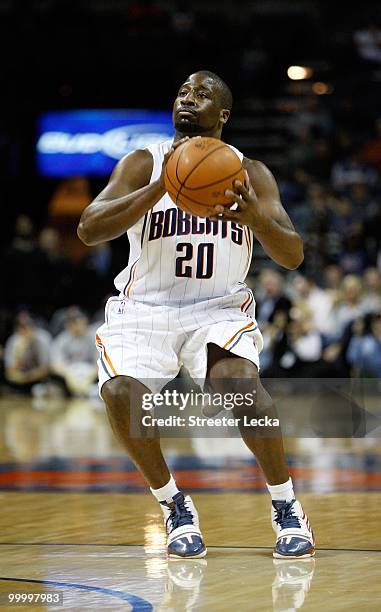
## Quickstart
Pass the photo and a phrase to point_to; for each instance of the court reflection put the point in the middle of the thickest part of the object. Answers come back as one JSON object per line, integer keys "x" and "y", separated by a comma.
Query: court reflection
{"x": 191, "y": 584}
{"x": 183, "y": 586}
{"x": 38, "y": 429}
{"x": 292, "y": 583}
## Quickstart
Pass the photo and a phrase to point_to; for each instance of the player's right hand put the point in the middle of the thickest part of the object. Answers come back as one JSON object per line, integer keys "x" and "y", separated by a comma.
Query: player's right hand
{"x": 168, "y": 155}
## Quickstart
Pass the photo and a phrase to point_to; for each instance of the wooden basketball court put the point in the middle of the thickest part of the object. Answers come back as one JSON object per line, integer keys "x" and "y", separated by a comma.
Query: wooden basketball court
{"x": 77, "y": 521}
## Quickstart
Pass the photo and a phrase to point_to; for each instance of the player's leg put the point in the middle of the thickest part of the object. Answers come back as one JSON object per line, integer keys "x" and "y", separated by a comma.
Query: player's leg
{"x": 145, "y": 452}
{"x": 123, "y": 398}
{"x": 227, "y": 372}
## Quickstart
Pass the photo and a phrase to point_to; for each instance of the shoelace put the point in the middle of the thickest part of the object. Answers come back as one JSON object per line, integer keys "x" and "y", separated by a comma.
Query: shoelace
{"x": 180, "y": 515}
{"x": 285, "y": 516}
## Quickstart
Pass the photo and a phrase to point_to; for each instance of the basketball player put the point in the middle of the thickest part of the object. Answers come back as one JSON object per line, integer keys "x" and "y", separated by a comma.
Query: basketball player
{"x": 182, "y": 301}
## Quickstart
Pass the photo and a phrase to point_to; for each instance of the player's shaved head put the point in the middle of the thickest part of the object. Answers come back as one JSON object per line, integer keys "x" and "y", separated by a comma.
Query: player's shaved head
{"x": 226, "y": 96}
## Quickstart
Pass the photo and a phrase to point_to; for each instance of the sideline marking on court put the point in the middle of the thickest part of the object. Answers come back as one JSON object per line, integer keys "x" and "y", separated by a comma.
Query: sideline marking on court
{"x": 377, "y": 550}
{"x": 137, "y": 603}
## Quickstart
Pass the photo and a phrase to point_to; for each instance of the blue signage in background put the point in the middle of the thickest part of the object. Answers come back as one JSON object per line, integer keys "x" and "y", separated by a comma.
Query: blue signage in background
{"x": 90, "y": 142}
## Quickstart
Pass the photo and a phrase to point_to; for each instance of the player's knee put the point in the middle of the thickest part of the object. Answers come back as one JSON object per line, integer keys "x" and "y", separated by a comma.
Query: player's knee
{"x": 116, "y": 393}
{"x": 235, "y": 370}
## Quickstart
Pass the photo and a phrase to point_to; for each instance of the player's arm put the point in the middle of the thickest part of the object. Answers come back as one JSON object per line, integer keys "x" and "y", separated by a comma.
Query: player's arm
{"x": 127, "y": 197}
{"x": 260, "y": 208}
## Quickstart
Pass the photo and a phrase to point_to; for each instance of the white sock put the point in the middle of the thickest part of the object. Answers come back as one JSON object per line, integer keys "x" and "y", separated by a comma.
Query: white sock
{"x": 282, "y": 492}
{"x": 166, "y": 493}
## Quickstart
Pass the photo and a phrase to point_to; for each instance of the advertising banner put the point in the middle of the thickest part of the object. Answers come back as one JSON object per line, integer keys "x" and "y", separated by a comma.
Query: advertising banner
{"x": 90, "y": 142}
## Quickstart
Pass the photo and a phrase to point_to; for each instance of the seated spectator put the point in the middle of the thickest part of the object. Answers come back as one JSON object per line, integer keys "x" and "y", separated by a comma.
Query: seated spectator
{"x": 304, "y": 340}
{"x": 73, "y": 354}
{"x": 318, "y": 301}
{"x": 335, "y": 354}
{"x": 271, "y": 296}
{"x": 59, "y": 319}
{"x": 372, "y": 290}
{"x": 364, "y": 352}
{"x": 297, "y": 348}
{"x": 351, "y": 305}
{"x": 333, "y": 277}
{"x": 26, "y": 354}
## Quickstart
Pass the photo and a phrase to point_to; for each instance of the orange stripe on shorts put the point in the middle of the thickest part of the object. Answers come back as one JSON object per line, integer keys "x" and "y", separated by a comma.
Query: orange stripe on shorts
{"x": 238, "y": 332}
{"x": 106, "y": 355}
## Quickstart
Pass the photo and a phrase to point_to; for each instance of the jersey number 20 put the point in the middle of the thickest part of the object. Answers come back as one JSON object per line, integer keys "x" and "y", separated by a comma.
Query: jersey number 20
{"x": 204, "y": 264}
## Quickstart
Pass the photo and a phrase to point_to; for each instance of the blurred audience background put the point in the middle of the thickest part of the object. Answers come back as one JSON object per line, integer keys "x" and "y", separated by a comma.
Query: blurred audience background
{"x": 320, "y": 135}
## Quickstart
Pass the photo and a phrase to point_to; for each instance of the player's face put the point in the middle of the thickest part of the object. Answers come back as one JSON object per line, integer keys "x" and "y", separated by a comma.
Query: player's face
{"x": 197, "y": 108}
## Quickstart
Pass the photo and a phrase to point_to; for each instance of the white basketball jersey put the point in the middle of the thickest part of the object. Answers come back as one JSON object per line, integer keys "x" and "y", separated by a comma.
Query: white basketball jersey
{"x": 181, "y": 259}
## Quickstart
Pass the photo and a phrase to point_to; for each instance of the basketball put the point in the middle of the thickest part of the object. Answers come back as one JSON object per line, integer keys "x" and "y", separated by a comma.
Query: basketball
{"x": 198, "y": 173}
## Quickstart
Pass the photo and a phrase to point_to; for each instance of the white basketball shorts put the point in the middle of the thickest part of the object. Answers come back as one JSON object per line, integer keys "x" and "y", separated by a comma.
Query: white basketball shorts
{"x": 151, "y": 343}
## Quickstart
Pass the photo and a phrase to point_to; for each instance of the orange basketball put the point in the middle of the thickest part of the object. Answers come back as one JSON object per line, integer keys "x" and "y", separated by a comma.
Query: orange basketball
{"x": 198, "y": 173}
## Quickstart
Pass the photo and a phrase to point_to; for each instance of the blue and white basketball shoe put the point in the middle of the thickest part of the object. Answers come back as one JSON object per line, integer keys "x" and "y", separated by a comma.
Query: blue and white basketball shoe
{"x": 182, "y": 526}
{"x": 295, "y": 538}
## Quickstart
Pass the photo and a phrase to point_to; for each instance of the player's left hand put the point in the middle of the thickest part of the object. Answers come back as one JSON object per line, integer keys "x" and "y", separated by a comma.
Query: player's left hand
{"x": 244, "y": 201}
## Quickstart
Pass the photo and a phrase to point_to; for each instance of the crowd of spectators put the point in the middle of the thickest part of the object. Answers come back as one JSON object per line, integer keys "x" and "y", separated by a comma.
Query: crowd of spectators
{"x": 41, "y": 274}
{"x": 328, "y": 331}
{"x": 55, "y": 360}
{"x": 331, "y": 186}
